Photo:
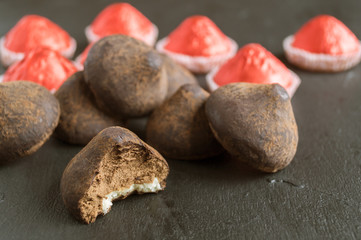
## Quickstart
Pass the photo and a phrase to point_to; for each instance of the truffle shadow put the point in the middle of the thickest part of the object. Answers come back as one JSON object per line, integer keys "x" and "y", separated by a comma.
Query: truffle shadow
{"x": 223, "y": 168}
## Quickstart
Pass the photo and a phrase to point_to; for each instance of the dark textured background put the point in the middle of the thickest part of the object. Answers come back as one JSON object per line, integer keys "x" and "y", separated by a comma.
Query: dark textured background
{"x": 318, "y": 196}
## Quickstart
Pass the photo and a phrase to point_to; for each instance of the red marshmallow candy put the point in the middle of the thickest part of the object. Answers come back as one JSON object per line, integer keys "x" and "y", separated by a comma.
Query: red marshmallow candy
{"x": 253, "y": 64}
{"x": 323, "y": 44}
{"x": 43, "y": 66}
{"x": 80, "y": 60}
{"x": 198, "y": 44}
{"x": 122, "y": 18}
{"x": 33, "y": 31}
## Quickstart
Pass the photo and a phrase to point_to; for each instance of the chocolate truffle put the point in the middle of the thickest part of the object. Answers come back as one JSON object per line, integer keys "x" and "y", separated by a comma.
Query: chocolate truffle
{"x": 114, "y": 164}
{"x": 80, "y": 119}
{"x": 28, "y": 116}
{"x": 126, "y": 76}
{"x": 255, "y": 123}
{"x": 177, "y": 75}
{"x": 179, "y": 127}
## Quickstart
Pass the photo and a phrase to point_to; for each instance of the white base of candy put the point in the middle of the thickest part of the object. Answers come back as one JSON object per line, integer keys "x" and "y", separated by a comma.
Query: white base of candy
{"x": 149, "y": 39}
{"x": 198, "y": 64}
{"x": 319, "y": 62}
{"x": 9, "y": 57}
{"x": 78, "y": 64}
{"x": 69, "y": 52}
{"x": 212, "y": 86}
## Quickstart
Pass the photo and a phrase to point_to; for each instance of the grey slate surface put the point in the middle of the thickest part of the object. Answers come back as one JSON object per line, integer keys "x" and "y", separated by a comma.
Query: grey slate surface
{"x": 317, "y": 197}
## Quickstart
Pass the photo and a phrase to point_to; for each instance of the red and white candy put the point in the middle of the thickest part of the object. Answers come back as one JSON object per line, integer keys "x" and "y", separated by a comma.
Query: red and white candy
{"x": 122, "y": 18}
{"x": 198, "y": 44}
{"x": 253, "y": 64}
{"x": 43, "y": 66}
{"x": 33, "y": 31}
{"x": 323, "y": 44}
{"x": 80, "y": 60}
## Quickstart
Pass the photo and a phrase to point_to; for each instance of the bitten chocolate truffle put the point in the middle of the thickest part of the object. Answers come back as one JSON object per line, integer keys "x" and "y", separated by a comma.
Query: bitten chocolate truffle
{"x": 80, "y": 119}
{"x": 114, "y": 164}
{"x": 179, "y": 127}
{"x": 255, "y": 123}
{"x": 177, "y": 75}
{"x": 126, "y": 76}
{"x": 29, "y": 114}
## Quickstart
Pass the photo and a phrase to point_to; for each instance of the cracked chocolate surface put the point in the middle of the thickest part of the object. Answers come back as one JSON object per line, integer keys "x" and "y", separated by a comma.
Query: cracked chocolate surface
{"x": 112, "y": 161}
{"x": 80, "y": 118}
{"x": 29, "y": 114}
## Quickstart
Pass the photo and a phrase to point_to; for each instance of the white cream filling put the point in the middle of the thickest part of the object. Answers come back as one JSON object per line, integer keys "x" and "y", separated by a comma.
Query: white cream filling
{"x": 140, "y": 188}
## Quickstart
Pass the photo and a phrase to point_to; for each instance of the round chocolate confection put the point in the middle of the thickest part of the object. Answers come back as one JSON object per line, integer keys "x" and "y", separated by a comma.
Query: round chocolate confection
{"x": 80, "y": 119}
{"x": 126, "y": 76}
{"x": 177, "y": 75}
{"x": 255, "y": 123}
{"x": 114, "y": 164}
{"x": 179, "y": 127}
{"x": 29, "y": 114}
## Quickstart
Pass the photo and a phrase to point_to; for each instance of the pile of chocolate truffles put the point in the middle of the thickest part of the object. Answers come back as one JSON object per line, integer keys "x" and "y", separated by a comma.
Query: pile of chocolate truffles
{"x": 124, "y": 78}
